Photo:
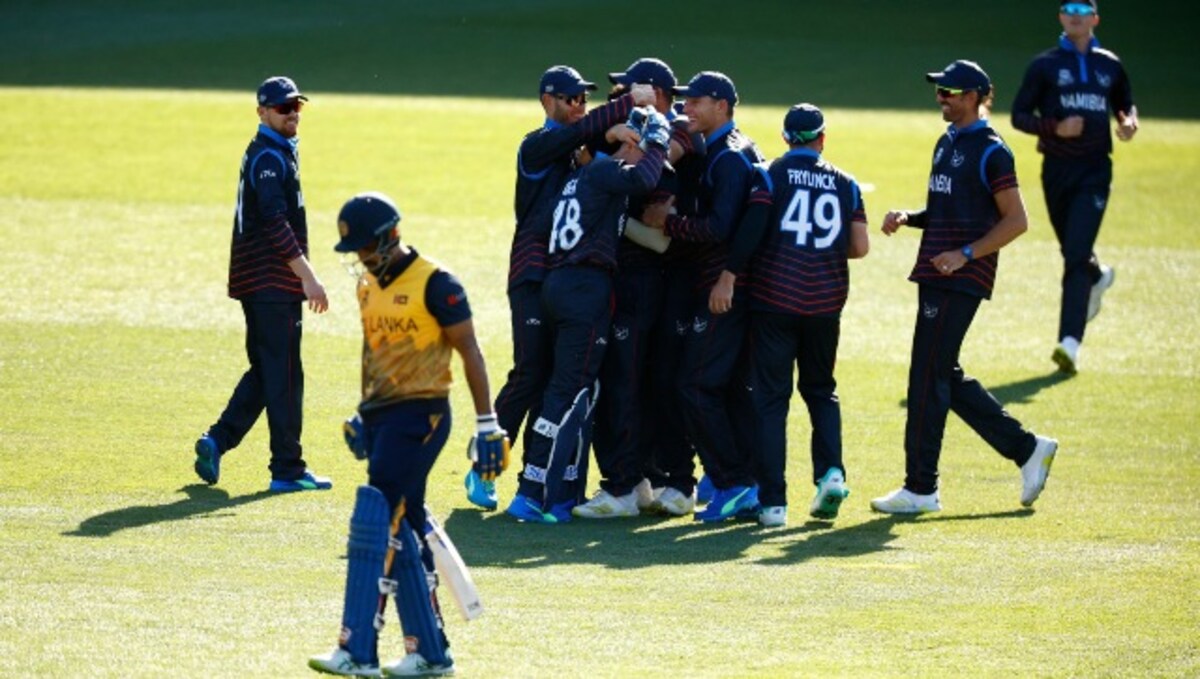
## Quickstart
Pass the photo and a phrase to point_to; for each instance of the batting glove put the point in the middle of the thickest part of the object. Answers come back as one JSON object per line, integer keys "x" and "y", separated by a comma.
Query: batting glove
{"x": 356, "y": 437}
{"x": 637, "y": 120}
{"x": 658, "y": 130}
{"x": 488, "y": 449}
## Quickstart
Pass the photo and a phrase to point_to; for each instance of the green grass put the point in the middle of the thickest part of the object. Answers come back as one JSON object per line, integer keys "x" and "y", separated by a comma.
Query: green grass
{"x": 118, "y": 346}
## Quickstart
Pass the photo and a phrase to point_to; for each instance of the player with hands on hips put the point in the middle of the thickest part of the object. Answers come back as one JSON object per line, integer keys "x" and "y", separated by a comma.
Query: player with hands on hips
{"x": 415, "y": 315}
{"x": 973, "y": 208}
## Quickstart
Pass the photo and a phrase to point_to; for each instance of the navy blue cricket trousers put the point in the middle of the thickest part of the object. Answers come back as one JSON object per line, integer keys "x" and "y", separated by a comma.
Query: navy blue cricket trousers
{"x": 777, "y": 341}
{"x": 274, "y": 382}
{"x": 521, "y": 394}
{"x": 672, "y": 458}
{"x": 937, "y": 385}
{"x": 1076, "y": 196}
{"x": 623, "y": 426}
{"x": 404, "y": 440}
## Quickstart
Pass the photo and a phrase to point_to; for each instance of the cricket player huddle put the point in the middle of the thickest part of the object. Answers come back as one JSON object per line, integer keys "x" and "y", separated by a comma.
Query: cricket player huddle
{"x": 667, "y": 284}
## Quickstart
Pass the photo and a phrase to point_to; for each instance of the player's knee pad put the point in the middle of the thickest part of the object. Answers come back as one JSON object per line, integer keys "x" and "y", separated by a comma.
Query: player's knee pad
{"x": 366, "y": 550}
{"x": 416, "y": 598}
{"x": 562, "y": 465}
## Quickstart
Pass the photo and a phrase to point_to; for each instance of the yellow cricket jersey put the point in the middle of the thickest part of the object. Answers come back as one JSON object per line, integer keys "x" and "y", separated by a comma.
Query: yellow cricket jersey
{"x": 405, "y": 353}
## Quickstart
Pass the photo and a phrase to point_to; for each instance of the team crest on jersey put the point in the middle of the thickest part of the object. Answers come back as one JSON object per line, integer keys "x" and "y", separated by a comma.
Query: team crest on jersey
{"x": 681, "y": 328}
{"x": 621, "y": 333}
{"x": 957, "y": 159}
{"x": 929, "y": 310}
{"x": 1100, "y": 202}
{"x": 937, "y": 157}
{"x": 1065, "y": 78}
{"x": 699, "y": 325}
{"x": 1104, "y": 79}
{"x": 400, "y": 299}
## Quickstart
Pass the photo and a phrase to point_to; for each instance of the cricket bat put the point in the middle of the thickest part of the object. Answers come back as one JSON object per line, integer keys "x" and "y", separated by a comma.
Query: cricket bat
{"x": 451, "y": 569}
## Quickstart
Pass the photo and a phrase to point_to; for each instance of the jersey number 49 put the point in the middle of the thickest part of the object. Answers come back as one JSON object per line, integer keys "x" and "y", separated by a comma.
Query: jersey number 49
{"x": 803, "y": 211}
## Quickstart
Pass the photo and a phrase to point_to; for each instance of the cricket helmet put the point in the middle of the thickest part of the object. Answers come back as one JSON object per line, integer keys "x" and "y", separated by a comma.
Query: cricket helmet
{"x": 366, "y": 219}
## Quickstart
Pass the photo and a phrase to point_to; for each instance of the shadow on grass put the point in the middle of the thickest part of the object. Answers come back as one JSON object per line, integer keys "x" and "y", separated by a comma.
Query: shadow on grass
{"x": 497, "y": 540}
{"x": 200, "y": 500}
{"x": 1021, "y": 391}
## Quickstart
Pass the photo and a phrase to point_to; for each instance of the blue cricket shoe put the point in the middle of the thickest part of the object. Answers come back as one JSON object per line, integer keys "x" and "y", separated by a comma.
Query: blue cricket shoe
{"x": 705, "y": 490}
{"x": 526, "y": 509}
{"x": 309, "y": 481}
{"x": 208, "y": 459}
{"x": 479, "y": 492}
{"x": 730, "y": 502}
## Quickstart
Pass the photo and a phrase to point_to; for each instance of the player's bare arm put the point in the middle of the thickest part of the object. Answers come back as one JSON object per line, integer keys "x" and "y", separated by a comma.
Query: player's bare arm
{"x": 1013, "y": 222}
{"x": 462, "y": 337}
{"x": 314, "y": 291}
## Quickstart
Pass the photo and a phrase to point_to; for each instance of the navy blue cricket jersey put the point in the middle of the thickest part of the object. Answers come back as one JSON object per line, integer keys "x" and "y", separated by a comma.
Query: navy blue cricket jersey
{"x": 269, "y": 224}
{"x": 543, "y": 163}
{"x": 589, "y": 217}
{"x": 1062, "y": 82}
{"x": 801, "y": 265}
{"x": 724, "y": 189}
{"x": 970, "y": 165}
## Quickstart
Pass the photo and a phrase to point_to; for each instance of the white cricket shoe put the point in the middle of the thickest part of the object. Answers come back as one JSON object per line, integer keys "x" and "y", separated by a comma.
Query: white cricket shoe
{"x": 673, "y": 502}
{"x": 831, "y": 490}
{"x": 904, "y": 501}
{"x": 1036, "y": 470}
{"x": 604, "y": 505}
{"x": 1108, "y": 275}
{"x": 646, "y": 495}
{"x": 415, "y": 665}
{"x": 773, "y": 517}
{"x": 1066, "y": 355}
{"x": 339, "y": 662}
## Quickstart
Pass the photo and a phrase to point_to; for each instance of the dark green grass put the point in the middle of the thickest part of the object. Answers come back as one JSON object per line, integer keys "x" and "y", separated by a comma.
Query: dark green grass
{"x": 857, "y": 53}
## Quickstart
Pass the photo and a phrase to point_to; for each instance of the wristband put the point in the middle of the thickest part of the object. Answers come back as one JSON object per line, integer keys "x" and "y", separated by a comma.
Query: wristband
{"x": 485, "y": 424}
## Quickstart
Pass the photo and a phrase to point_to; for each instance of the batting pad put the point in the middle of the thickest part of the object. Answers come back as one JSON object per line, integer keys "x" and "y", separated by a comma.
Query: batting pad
{"x": 365, "y": 552}
{"x": 415, "y": 597}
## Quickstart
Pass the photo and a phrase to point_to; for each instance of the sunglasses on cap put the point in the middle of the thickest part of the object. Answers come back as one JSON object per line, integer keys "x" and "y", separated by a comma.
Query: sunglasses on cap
{"x": 286, "y": 108}
{"x": 572, "y": 100}
{"x": 1078, "y": 9}
{"x": 947, "y": 92}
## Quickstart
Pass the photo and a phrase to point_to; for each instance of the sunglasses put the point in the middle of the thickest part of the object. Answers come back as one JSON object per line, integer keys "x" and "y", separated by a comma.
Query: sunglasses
{"x": 572, "y": 100}
{"x": 1076, "y": 9}
{"x": 947, "y": 92}
{"x": 286, "y": 108}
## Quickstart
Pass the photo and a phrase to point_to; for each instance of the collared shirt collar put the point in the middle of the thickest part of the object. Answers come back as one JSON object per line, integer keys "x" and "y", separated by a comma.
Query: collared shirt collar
{"x": 396, "y": 267}
{"x": 267, "y": 132}
{"x": 953, "y": 132}
{"x": 551, "y": 124}
{"x": 718, "y": 133}
{"x": 1065, "y": 43}
{"x": 802, "y": 152}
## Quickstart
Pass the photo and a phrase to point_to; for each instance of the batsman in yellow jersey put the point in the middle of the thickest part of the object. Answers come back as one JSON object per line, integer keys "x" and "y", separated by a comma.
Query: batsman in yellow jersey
{"x": 414, "y": 315}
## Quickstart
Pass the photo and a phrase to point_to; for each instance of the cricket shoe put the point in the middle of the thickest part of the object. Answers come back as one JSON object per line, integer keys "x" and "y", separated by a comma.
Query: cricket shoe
{"x": 646, "y": 495}
{"x": 1066, "y": 355}
{"x": 1036, "y": 470}
{"x": 672, "y": 501}
{"x": 605, "y": 505}
{"x": 773, "y": 517}
{"x": 831, "y": 490}
{"x": 479, "y": 492}
{"x": 339, "y": 662}
{"x": 705, "y": 490}
{"x": 415, "y": 665}
{"x": 309, "y": 481}
{"x": 730, "y": 502}
{"x": 208, "y": 459}
{"x": 1108, "y": 276}
{"x": 527, "y": 510}
{"x": 904, "y": 501}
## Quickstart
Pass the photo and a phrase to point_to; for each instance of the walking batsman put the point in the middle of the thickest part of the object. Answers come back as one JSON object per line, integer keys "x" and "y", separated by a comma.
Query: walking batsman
{"x": 814, "y": 220}
{"x": 1065, "y": 101}
{"x": 269, "y": 273}
{"x": 414, "y": 316}
{"x": 973, "y": 208}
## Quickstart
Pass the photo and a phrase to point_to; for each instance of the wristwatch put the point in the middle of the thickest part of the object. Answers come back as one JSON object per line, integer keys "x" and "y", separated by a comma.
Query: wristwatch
{"x": 968, "y": 252}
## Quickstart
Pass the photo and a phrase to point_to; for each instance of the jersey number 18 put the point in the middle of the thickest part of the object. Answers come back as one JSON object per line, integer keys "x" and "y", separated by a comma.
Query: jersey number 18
{"x": 567, "y": 229}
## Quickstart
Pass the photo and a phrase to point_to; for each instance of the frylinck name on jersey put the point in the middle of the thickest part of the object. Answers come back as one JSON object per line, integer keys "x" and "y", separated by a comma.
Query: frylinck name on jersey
{"x": 1084, "y": 101}
{"x": 940, "y": 183}
{"x": 816, "y": 180}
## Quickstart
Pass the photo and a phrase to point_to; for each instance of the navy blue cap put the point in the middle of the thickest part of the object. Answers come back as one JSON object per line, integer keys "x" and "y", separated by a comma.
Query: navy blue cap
{"x": 803, "y": 123}
{"x": 277, "y": 90}
{"x": 1089, "y": 3}
{"x": 646, "y": 71}
{"x": 962, "y": 75}
{"x": 563, "y": 80}
{"x": 710, "y": 84}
